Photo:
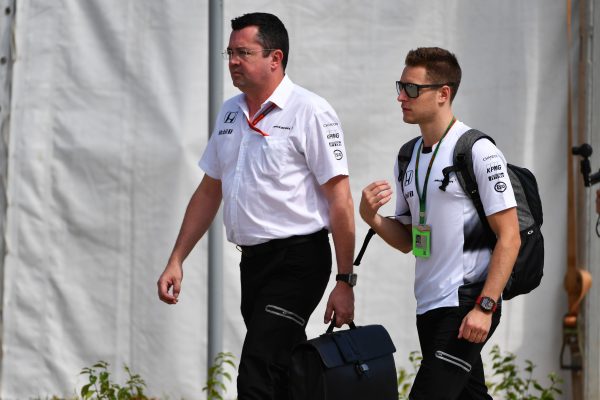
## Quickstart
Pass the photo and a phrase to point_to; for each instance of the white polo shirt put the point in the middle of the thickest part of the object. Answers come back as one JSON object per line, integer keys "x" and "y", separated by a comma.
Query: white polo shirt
{"x": 271, "y": 184}
{"x": 459, "y": 254}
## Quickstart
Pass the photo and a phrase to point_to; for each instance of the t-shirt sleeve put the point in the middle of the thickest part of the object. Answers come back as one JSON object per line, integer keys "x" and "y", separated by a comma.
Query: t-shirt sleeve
{"x": 489, "y": 166}
{"x": 325, "y": 151}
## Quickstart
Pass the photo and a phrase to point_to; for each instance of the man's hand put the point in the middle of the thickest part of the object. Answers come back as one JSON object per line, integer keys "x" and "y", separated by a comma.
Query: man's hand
{"x": 475, "y": 326}
{"x": 170, "y": 279}
{"x": 340, "y": 303}
{"x": 373, "y": 197}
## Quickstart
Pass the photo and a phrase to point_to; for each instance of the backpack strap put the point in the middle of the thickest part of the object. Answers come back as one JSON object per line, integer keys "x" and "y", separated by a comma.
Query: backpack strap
{"x": 404, "y": 157}
{"x": 361, "y": 253}
{"x": 463, "y": 168}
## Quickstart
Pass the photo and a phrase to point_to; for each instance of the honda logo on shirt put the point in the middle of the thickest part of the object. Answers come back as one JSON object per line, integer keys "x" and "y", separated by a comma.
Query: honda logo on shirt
{"x": 408, "y": 177}
{"x": 230, "y": 117}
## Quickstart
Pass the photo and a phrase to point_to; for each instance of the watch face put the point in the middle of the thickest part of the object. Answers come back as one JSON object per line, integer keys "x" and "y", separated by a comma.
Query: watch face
{"x": 352, "y": 279}
{"x": 487, "y": 303}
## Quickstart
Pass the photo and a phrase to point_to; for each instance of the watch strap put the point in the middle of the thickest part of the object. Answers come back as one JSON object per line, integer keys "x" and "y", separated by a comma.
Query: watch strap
{"x": 481, "y": 299}
{"x": 350, "y": 279}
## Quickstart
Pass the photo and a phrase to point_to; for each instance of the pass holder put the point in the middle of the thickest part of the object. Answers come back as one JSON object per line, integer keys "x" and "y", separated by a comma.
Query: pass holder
{"x": 421, "y": 238}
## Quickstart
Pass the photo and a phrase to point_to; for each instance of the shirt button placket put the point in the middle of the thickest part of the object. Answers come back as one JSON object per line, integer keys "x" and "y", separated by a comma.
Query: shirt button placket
{"x": 237, "y": 180}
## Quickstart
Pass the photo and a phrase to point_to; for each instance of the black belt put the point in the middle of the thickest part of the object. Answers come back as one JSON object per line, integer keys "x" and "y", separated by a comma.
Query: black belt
{"x": 278, "y": 244}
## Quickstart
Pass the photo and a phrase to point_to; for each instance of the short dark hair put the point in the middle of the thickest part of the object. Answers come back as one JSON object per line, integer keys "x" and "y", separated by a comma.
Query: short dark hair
{"x": 271, "y": 31}
{"x": 441, "y": 65}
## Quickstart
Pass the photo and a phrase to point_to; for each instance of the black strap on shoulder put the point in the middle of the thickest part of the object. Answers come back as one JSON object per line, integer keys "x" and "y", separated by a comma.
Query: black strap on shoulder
{"x": 404, "y": 157}
{"x": 463, "y": 167}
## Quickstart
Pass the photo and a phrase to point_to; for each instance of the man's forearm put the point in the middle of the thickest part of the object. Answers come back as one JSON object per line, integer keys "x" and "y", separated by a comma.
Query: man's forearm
{"x": 199, "y": 214}
{"x": 506, "y": 226}
{"x": 341, "y": 215}
{"x": 393, "y": 232}
{"x": 501, "y": 265}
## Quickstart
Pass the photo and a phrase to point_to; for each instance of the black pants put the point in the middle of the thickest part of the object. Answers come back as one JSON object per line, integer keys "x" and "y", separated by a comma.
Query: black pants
{"x": 451, "y": 368}
{"x": 280, "y": 290}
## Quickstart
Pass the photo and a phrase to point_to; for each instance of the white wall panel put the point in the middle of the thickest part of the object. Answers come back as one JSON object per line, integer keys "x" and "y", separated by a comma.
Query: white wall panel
{"x": 109, "y": 118}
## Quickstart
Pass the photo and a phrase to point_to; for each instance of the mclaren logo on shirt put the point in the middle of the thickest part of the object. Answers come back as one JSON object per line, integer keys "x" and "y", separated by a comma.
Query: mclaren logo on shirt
{"x": 230, "y": 117}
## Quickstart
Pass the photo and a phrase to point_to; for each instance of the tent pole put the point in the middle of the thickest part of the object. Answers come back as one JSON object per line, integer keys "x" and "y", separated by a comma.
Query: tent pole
{"x": 215, "y": 233}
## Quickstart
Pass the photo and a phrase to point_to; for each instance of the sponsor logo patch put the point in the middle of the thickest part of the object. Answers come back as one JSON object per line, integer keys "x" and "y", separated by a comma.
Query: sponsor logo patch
{"x": 408, "y": 194}
{"x": 230, "y": 117}
{"x": 408, "y": 177}
{"x": 490, "y": 157}
{"x": 330, "y": 124}
{"x": 494, "y": 167}
{"x": 225, "y": 131}
{"x": 495, "y": 176}
{"x": 335, "y": 143}
{"x": 500, "y": 187}
{"x": 287, "y": 128}
{"x": 338, "y": 154}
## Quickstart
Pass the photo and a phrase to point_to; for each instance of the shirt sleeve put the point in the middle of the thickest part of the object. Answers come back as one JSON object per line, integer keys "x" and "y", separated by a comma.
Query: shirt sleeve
{"x": 489, "y": 166}
{"x": 402, "y": 213}
{"x": 325, "y": 151}
{"x": 209, "y": 162}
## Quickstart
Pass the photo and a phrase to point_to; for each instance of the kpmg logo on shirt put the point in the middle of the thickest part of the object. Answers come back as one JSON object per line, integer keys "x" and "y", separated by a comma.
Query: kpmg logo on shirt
{"x": 230, "y": 117}
{"x": 408, "y": 177}
{"x": 493, "y": 167}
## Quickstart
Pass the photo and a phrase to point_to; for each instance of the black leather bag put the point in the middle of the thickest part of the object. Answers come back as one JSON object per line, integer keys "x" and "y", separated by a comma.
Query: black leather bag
{"x": 356, "y": 363}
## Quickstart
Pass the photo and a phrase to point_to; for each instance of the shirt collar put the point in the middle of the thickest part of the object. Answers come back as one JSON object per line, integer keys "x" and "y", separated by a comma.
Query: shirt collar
{"x": 280, "y": 95}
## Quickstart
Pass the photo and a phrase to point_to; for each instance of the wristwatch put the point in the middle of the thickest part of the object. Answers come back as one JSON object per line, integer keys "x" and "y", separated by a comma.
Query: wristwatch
{"x": 486, "y": 303}
{"x": 350, "y": 279}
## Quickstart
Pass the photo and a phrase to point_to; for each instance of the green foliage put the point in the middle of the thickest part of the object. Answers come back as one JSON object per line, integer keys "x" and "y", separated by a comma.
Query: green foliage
{"x": 100, "y": 387}
{"x": 216, "y": 373}
{"x": 511, "y": 384}
{"x": 406, "y": 378}
{"x": 507, "y": 380}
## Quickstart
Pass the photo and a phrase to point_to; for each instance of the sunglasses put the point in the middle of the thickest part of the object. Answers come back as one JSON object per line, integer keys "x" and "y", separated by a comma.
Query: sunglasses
{"x": 412, "y": 89}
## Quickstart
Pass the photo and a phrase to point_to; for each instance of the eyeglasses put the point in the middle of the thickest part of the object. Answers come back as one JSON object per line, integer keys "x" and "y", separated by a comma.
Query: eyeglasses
{"x": 412, "y": 89}
{"x": 242, "y": 54}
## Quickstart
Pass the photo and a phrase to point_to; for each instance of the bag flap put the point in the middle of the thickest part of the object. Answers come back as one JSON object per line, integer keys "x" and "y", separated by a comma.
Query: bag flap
{"x": 353, "y": 345}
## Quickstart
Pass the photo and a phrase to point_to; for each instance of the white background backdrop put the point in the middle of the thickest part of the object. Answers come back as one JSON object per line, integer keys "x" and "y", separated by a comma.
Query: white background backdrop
{"x": 109, "y": 117}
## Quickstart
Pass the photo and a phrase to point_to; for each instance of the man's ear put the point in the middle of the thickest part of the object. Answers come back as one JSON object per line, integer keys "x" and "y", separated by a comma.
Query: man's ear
{"x": 445, "y": 94}
{"x": 276, "y": 58}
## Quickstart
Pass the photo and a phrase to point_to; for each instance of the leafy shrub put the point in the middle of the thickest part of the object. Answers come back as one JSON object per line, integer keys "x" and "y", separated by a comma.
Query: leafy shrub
{"x": 100, "y": 387}
{"x": 214, "y": 384}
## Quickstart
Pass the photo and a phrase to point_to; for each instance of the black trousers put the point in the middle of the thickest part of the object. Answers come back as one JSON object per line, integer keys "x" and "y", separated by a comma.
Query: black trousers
{"x": 451, "y": 368}
{"x": 280, "y": 290}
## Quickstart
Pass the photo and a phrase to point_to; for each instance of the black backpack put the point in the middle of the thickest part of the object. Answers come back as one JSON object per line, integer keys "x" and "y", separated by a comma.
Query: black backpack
{"x": 529, "y": 267}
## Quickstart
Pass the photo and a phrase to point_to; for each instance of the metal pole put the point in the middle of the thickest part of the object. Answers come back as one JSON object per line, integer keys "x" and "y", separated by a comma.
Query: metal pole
{"x": 215, "y": 233}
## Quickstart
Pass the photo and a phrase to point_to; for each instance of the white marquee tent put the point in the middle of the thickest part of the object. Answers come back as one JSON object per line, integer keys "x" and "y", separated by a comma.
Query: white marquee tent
{"x": 104, "y": 115}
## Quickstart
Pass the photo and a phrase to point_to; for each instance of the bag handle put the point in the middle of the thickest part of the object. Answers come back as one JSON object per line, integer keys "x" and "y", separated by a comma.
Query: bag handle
{"x": 332, "y": 325}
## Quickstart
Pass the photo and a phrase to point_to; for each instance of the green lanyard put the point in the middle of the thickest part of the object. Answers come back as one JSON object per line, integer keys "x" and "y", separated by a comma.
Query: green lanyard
{"x": 423, "y": 197}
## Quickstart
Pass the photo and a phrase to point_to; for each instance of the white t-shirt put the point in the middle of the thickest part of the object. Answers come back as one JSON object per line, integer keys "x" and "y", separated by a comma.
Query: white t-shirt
{"x": 459, "y": 255}
{"x": 271, "y": 184}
